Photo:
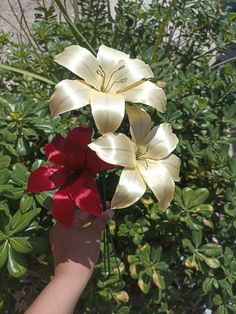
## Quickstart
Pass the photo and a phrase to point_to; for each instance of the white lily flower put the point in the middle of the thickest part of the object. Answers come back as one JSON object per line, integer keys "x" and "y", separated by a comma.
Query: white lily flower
{"x": 146, "y": 159}
{"x": 107, "y": 82}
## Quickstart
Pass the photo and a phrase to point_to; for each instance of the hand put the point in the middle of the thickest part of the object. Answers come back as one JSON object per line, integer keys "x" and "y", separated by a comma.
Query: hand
{"x": 75, "y": 251}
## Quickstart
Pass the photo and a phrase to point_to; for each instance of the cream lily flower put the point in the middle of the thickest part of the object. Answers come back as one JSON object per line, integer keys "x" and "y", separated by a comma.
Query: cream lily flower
{"x": 146, "y": 159}
{"x": 107, "y": 82}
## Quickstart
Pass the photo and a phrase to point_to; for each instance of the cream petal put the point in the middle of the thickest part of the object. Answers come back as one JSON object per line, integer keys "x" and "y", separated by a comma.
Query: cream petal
{"x": 125, "y": 73}
{"x": 108, "y": 110}
{"x": 116, "y": 149}
{"x": 159, "y": 180}
{"x": 109, "y": 57}
{"x": 149, "y": 94}
{"x": 130, "y": 189}
{"x": 83, "y": 63}
{"x": 69, "y": 95}
{"x": 160, "y": 142}
{"x": 140, "y": 124}
{"x": 172, "y": 164}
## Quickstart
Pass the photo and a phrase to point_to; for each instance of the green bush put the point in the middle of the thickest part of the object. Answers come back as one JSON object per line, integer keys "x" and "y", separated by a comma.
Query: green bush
{"x": 179, "y": 261}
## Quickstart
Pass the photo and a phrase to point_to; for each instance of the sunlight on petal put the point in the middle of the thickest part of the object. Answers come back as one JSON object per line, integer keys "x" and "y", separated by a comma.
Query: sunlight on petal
{"x": 130, "y": 189}
{"x": 116, "y": 149}
{"x": 69, "y": 95}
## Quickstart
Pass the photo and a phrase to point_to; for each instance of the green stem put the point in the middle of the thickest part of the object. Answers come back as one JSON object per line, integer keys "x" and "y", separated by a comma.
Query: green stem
{"x": 223, "y": 62}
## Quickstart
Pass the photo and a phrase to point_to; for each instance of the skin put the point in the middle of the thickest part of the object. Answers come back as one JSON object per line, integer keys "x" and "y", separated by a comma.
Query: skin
{"x": 75, "y": 251}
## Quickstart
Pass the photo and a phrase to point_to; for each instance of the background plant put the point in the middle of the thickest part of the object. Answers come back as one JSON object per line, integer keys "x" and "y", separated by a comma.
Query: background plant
{"x": 179, "y": 261}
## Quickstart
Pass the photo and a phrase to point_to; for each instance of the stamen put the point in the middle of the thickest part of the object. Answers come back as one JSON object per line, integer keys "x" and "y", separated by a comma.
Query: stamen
{"x": 120, "y": 68}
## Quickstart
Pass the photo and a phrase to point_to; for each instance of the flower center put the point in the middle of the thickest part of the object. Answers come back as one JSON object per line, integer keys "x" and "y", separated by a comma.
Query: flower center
{"x": 107, "y": 85}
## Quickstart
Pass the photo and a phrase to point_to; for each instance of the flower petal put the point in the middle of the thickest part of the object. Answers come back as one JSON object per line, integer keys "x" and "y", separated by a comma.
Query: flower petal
{"x": 109, "y": 57}
{"x": 130, "y": 189}
{"x": 108, "y": 111}
{"x": 77, "y": 141}
{"x": 63, "y": 207}
{"x": 161, "y": 141}
{"x": 147, "y": 93}
{"x": 116, "y": 149}
{"x": 47, "y": 178}
{"x": 94, "y": 164}
{"x": 85, "y": 195}
{"x": 159, "y": 180}
{"x": 125, "y": 74}
{"x": 172, "y": 164}
{"x": 82, "y": 62}
{"x": 140, "y": 124}
{"x": 56, "y": 151}
{"x": 69, "y": 95}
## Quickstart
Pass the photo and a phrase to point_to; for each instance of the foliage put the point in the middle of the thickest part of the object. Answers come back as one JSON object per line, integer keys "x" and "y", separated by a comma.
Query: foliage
{"x": 179, "y": 261}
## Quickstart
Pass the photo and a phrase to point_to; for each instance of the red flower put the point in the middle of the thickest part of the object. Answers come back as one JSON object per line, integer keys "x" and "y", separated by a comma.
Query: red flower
{"x": 73, "y": 166}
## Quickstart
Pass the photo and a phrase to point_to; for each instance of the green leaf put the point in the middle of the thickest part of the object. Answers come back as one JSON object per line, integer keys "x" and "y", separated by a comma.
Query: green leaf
{"x": 187, "y": 245}
{"x": 205, "y": 209}
{"x": 26, "y": 203}
{"x": 4, "y": 161}
{"x": 144, "y": 283}
{"x": 187, "y": 195}
{"x": 40, "y": 245}
{"x": 3, "y": 253}
{"x": 144, "y": 253}
{"x": 211, "y": 249}
{"x": 20, "y": 175}
{"x": 20, "y": 221}
{"x": 16, "y": 264}
{"x": 20, "y": 244}
{"x": 211, "y": 261}
{"x": 217, "y": 300}
{"x": 4, "y": 176}
{"x": 197, "y": 238}
{"x": 199, "y": 197}
{"x": 158, "y": 280}
{"x": 207, "y": 284}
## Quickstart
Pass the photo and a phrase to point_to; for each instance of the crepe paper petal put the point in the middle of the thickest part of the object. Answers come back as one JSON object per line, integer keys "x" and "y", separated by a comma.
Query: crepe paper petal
{"x": 56, "y": 151}
{"x": 116, "y": 149}
{"x": 172, "y": 164}
{"x": 82, "y": 62}
{"x": 149, "y": 94}
{"x": 140, "y": 124}
{"x": 63, "y": 207}
{"x": 161, "y": 141}
{"x": 108, "y": 111}
{"x": 159, "y": 180}
{"x": 85, "y": 195}
{"x": 130, "y": 189}
{"x": 46, "y": 178}
{"x": 69, "y": 95}
{"x": 94, "y": 164}
{"x": 108, "y": 57}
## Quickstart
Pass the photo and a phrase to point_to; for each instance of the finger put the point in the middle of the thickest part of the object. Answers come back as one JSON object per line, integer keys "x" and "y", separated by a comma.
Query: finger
{"x": 101, "y": 221}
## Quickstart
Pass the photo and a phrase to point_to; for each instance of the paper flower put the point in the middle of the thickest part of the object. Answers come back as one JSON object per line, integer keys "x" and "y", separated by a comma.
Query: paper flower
{"x": 73, "y": 165}
{"x": 108, "y": 81}
{"x": 146, "y": 159}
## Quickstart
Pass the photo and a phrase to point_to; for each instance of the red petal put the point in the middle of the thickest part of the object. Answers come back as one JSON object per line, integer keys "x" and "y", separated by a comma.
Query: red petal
{"x": 80, "y": 136}
{"x": 56, "y": 151}
{"x": 47, "y": 178}
{"x": 85, "y": 195}
{"x": 94, "y": 164}
{"x": 63, "y": 207}
{"x": 77, "y": 140}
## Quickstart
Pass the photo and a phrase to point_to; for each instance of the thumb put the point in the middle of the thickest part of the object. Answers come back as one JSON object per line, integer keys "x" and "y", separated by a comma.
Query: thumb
{"x": 101, "y": 221}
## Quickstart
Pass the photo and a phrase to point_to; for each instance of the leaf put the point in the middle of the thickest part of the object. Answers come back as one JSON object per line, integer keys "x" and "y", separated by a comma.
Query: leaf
{"x": 20, "y": 175}
{"x": 217, "y": 300}
{"x": 4, "y": 161}
{"x": 3, "y": 253}
{"x": 20, "y": 221}
{"x": 20, "y": 244}
{"x": 144, "y": 253}
{"x": 199, "y": 197}
{"x": 197, "y": 237}
{"x": 187, "y": 195}
{"x": 4, "y": 176}
{"x": 26, "y": 203}
{"x": 211, "y": 249}
{"x": 211, "y": 261}
{"x": 205, "y": 209}
{"x": 158, "y": 280}
{"x": 187, "y": 245}
{"x": 207, "y": 284}
{"x": 16, "y": 264}
{"x": 144, "y": 283}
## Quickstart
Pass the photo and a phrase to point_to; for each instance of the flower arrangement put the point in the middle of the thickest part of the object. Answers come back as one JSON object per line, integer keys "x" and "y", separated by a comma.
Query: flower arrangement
{"x": 107, "y": 83}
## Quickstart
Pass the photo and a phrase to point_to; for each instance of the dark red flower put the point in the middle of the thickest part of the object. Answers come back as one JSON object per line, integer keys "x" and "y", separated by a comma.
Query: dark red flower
{"x": 73, "y": 165}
